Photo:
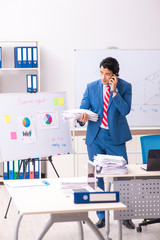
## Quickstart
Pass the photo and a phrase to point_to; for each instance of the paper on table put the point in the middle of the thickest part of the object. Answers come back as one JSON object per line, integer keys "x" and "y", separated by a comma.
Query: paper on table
{"x": 74, "y": 182}
{"x": 26, "y": 183}
{"x": 109, "y": 164}
{"x": 102, "y": 159}
{"x": 115, "y": 170}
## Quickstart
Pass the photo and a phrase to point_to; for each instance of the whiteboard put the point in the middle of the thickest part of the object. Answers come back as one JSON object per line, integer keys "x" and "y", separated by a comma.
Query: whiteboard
{"x": 139, "y": 67}
{"x": 31, "y": 125}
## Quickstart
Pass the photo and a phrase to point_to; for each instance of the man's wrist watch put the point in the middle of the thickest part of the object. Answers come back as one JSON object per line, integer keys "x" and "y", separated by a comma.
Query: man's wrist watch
{"x": 115, "y": 91}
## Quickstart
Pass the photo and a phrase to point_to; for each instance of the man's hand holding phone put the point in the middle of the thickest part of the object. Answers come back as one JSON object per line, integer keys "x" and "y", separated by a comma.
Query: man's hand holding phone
{"x": 113, "y": 82}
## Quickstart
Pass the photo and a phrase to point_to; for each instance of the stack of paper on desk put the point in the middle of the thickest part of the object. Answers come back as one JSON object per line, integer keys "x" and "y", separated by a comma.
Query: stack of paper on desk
{"x": 108, "y": 164}
{"x": 75, "y": 114}
{"x": 74, "y": 182}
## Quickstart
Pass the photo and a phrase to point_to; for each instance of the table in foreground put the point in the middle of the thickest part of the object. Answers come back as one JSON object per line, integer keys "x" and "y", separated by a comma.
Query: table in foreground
{"x": 50, "y": 199}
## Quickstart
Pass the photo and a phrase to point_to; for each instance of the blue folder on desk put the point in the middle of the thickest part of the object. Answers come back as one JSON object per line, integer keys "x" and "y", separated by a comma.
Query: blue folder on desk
{"x": 18, "y": 57}
{"x": 96, "y": 197}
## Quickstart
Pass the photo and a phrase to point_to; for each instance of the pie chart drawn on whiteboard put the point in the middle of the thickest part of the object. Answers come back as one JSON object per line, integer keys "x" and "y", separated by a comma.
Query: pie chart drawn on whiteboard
{"x": 48, "y": 119}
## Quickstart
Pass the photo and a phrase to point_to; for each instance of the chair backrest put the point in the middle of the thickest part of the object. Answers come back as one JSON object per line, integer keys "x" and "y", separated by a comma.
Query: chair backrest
{"x": 149, "y": 142}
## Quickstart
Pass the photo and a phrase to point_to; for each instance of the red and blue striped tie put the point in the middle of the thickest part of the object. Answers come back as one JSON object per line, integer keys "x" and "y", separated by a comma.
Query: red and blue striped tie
{"x": 105, "y": 106}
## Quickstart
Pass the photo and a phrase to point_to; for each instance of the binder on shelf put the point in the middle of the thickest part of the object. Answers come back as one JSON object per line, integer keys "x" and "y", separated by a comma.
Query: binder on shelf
{"x": 18, "y": 57}
{"x": 27, "y": 171}
{"x": 11, "y": 169}
{"x": 29, "y": 82}
{"x": 16, "y": 168}
{"x": 35, "y": 57}
{"x": 34, "y": 83}
{"x": 21, "y": 171}
{"x": 31, "y": 169}
{"x": 24, "y": 57}
{"x": 5, "y": 170}
{"x": 36, "y": 168}
{"x": 0, "y": 57}
{"x": 96, "y": 197}
{"x": 29, "y": 57}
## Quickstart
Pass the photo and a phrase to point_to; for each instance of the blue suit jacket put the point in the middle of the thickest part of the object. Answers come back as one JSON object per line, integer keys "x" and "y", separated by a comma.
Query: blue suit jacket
{"x": 118, "y": 108}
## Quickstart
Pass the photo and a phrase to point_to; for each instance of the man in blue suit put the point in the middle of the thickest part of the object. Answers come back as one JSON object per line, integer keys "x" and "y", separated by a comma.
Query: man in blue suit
{"x": 110, "y": 139}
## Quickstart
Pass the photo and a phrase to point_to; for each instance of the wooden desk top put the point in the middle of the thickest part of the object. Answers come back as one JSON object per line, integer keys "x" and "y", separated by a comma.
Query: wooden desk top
{"x": 134, "y": 170}
{"x": 50, "y": 199}
{"x": 134, "y": 131}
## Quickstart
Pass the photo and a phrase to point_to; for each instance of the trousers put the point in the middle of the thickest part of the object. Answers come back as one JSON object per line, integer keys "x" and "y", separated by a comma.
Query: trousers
{"x": 103, "y": 144}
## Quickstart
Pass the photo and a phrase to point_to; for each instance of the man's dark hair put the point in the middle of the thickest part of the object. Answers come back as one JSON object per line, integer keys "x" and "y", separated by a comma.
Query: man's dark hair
{"x": 110, "y": 63}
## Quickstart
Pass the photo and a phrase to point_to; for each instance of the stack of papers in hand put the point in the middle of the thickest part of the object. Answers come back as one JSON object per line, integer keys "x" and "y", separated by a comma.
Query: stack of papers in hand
{"x": 75, "y": 114}
{"x": 110, "y": 165}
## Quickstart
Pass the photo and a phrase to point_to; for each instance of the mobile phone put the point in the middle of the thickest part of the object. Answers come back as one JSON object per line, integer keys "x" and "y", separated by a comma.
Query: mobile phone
{"x": 110, "y": 80}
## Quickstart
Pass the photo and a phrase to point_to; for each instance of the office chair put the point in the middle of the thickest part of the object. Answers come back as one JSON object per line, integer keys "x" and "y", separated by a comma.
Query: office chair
{"x": 148, "y": 142}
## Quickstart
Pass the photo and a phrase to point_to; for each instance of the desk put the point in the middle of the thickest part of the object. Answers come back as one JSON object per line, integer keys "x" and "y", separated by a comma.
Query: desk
{"x": 139, "y": 191}
{"x": 50, "y": 200}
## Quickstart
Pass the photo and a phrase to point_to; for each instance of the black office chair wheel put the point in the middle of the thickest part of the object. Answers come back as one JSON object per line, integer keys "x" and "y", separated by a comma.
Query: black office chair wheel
{"x": 144, "y": 221}
{"x": 139, "y": 229}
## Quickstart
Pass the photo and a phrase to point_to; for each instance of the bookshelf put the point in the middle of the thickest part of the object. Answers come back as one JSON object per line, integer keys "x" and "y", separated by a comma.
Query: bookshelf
{"x": 13, "y": 80}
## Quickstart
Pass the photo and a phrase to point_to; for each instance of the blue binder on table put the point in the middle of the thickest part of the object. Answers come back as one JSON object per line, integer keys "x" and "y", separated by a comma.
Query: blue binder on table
{"x": 35, "y": 57}
{"x": 0, "y": 57}
{"x": 96, "y": 197}
{"x": 29, "y": 57}
{"x": 24, "y": 57}
{"x": 6, "y": 170}
{"x": 29, "y": 82}
{"x": 11, "y": 169}
{"x": 36, "y": 168}
{"x": 18, "y": 57}
{"x": 34, "y": 83}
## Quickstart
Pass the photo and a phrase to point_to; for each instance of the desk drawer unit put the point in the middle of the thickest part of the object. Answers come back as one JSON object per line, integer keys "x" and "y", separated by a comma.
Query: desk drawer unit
{"x": 142, "y": 198}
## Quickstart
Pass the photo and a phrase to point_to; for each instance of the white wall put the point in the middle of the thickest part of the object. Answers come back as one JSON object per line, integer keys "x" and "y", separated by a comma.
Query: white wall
{"x": 64, "y": 25}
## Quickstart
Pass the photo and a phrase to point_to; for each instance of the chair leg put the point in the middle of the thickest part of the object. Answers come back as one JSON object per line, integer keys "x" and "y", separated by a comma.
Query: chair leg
{"x": 147, "y": 222}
